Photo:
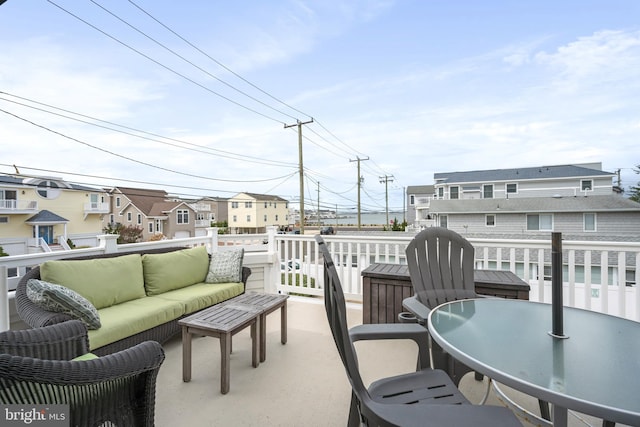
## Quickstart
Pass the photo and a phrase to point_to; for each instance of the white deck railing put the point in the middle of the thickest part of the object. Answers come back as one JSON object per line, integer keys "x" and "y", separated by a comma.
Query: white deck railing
{"x": 587, "y": 265}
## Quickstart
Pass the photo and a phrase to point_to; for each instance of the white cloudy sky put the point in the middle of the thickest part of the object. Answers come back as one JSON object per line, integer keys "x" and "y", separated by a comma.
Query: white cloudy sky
{"x": 415, "y": 86}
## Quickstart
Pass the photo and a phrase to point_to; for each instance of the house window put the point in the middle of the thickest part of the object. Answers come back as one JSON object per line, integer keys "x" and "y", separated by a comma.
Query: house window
{"x": 265, "y": 218}
{"x": 248, "y": 204}
{"x": 182, "y": 216}
{"x": 111, "y": 219}
{"x": 454, "y": 192}
{"x": 440, "y": 193}
{"x": 117, "y": 202}
{"x": 589, "y": 222}
{"x": 443, "y": 221}
{"x": 235, "y": 218}
{"x": 276, "y": 217}
{"x": 487, "y": 191}
{"x": 248, "y": 218}
{"x": 139, "y": 218}
{"x": 586, "y": 185}
{"x": 540, "y": 222}
{"x": 412, "y": 200}
{"x": 4, "y": 219}
{"x": 275, "y": 204}
{"x": 490, "y": 220}
{"x": 150, "y": 227}
{"x": 512, "y": 188}
{"x": 234, "y": 205}
{"x": 129, "y": 216}
{"x": 265, "y": 205}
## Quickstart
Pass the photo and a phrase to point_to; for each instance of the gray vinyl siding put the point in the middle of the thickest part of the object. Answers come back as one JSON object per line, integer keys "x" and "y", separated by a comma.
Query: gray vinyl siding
{"x": 566, "y": 187}
{"x": 607, "y": 224}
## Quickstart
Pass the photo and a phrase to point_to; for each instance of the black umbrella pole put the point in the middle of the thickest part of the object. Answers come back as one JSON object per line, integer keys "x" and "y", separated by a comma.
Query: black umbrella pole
{"x": 556, "y": 284}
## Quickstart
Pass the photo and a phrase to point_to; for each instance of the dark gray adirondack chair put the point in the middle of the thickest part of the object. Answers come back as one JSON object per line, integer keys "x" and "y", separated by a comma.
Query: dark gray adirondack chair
{"x": 424, "y": 398}
{"x": 441, "y": 264}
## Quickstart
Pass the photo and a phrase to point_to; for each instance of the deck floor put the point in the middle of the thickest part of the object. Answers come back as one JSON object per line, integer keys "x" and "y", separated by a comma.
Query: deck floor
{"x": 302, "y": 383}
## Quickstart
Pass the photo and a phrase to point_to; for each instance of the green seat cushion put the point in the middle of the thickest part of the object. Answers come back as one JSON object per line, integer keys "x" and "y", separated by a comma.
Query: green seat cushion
{"x": 203, "y": 295}
{"x": 103, "y": 281}
{"x": 86, "y": 356}
{"x": 174, "y": 270}
{"x": 129, "y": 318}
{"x": 61, "y": 299}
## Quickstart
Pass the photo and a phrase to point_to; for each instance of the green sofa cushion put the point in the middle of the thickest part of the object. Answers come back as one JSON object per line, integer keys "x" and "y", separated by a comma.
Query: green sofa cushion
{"x": 103, "y": 281}
{"x": 129, "y": 318}
{"x": 174, "y": 270}
{"x": 203, "y": 295}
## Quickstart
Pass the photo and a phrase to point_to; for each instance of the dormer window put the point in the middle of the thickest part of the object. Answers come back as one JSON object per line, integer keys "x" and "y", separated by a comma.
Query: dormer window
{"x": 48, "y": 189}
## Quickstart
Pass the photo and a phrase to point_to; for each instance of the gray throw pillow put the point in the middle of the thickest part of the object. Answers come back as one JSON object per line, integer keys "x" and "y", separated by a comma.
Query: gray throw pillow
{"x": 60, "y": 299}
{"x": 225, "y": 266}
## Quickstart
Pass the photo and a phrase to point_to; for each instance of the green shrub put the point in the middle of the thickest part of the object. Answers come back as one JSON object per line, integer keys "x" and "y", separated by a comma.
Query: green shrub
{"x": 294, "y": 279}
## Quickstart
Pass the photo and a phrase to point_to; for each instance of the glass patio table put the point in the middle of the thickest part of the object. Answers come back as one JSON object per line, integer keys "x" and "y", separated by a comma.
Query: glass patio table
{"x": 595, "y": 370}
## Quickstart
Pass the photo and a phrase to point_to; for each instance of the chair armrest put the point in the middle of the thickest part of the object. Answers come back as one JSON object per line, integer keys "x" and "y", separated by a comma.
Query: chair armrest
{"x": 28, "y": 311}
{"x": 146, "y": 356}
{"x": 417, "y": 308}
{"x": 395, "y": 331}
{"x": 246, "y": 272}
{"x": 61, "y": 341}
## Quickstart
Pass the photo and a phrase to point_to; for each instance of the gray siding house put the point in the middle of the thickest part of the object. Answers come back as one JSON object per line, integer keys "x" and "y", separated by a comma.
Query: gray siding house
{"x": 578, "y": 200}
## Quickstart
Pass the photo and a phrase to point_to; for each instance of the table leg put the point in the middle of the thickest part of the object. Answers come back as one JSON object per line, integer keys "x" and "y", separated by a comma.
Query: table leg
{"x": 263, "y": 337}
{"x": 283, "y": 323}
{"x": 256, "y": 342}
{"x": 186, "y": 354}
{"x": 225, "y": 359}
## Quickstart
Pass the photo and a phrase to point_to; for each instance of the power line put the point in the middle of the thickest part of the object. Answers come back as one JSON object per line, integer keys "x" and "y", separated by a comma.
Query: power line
{"x": 165, "y": 66}
{"x": 199, "y": 148}
{"x": 187, "y": 61}
{"x": 133, "y": 160}
{"x": 217, "y": 62}
{"x": 99, "y": 186}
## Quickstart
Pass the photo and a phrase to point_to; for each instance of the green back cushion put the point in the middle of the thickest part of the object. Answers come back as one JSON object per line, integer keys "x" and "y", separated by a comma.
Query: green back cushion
{"x": 103, "y": 281}
{"x": 174, "y": 270}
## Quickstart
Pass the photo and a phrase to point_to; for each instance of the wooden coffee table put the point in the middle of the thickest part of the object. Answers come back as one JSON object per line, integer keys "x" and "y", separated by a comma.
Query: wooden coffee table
{"x": 224, "y": 320}
{"x": 220, "y": 321}
{"x": 266, "y": 303}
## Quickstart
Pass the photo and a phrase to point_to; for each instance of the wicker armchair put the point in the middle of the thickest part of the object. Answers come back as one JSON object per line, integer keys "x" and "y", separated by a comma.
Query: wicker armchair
{"x": 36, "y": 368}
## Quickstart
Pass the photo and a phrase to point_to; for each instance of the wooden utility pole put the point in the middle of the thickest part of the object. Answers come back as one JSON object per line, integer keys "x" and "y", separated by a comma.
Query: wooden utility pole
{"x": 301, "y": 168}
{"x": 358, "y": 159}
{"x": 386, "y": 180}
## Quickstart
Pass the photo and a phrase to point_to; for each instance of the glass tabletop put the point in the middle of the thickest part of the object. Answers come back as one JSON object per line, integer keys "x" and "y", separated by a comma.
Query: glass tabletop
{"x": 595, "y": 370}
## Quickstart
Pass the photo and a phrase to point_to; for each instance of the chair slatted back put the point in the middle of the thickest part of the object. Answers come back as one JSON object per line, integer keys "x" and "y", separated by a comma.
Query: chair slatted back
{"x": 336, "y": 309}
{"x": 441, "y": 266}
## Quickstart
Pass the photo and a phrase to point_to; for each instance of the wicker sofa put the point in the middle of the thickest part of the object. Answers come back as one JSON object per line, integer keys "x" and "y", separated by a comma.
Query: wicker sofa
{"x": 139, "y": 295}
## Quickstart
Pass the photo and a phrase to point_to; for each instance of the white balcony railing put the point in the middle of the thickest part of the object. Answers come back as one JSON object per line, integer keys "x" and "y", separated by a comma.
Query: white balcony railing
{"x": 600, "y": 276}
{"x": 18, "y": 205}
{"x": 96, "y": 207}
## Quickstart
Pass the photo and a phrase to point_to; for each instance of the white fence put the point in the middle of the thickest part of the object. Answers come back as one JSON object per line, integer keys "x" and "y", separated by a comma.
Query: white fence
{"x": 600, "y": 276}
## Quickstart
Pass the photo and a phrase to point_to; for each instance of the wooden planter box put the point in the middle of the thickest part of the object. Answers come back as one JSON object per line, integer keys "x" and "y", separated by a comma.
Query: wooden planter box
{"x": 386, "y": 285}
